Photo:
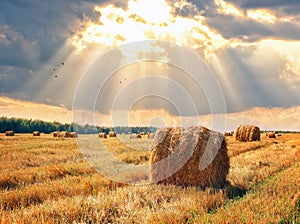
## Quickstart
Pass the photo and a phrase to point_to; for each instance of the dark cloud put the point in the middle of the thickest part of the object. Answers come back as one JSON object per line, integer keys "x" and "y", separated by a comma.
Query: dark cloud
{"x": 31, "y": 32}
{"x": 250, "y": 30}
{"x": 46, "y": 23}
{"x": 254, "y": 83}
{"x": 289, "y": 7}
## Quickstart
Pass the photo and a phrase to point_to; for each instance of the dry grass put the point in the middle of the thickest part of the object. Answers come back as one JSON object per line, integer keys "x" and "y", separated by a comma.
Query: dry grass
{"x": 46, "y": 180}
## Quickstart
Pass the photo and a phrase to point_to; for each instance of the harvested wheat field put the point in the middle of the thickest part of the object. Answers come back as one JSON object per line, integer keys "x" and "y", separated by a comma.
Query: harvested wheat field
{"x": 47, "y": 180}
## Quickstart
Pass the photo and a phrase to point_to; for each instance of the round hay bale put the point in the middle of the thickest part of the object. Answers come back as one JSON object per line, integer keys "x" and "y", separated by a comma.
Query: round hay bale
{"x": 142, "y": 133}
{"x": 247, "y": 133}
{"x": 272, "y": 135}
{"x": 63, "y": 134}
{"x": 189, "y": 147}
{"x": 9, "y": 133}
{"x": 228, "y": 134}
{"x": 102, "y": 135}
{"x": 112, "y": 134}
{"x": 73, "y": 135}
{"x": 55, "y": 134}
{"x": 135, "y": 136}
{"x": 36, "y": 133}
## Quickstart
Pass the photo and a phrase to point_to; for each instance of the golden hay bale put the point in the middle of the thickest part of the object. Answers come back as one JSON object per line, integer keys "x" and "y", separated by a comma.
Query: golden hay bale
{"x": 55, "y": 134}
{"x": 272, "y": 135}
{"x": 36, "y": 133}
{"x": 63, "y": 134}
{"x": 112, "y": 134}
{"x": 228, "y": 134}
{"x": 102, "y": 135}
{"x": 135, "y": 136}
{"x": 9, "y": 133}
{"x": 142, "y": 133}
{"x": 191, "y": 156}
{"x": 247, "y": 133}
{"x": 73, "y": 135}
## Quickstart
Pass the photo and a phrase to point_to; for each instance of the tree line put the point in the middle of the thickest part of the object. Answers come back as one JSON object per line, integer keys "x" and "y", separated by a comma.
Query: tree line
{"x": 22, "y": 125}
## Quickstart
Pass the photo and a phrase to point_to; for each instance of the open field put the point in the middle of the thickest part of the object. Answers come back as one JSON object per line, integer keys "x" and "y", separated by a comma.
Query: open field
{"x": 47, "y": 180}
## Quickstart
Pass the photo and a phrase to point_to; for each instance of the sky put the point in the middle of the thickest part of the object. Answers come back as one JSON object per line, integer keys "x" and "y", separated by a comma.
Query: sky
{"x": 159, "y": 62}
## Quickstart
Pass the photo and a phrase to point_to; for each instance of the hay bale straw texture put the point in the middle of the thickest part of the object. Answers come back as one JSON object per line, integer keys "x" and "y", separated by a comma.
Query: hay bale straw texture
{"x": 9, "y": 133}
{"x": 247, "y": 133}
{"x": 36, "y": 133}
{"x": 112, "y": 134}
{"x": 188, "y": 146}
{"x": 102, "y": 135}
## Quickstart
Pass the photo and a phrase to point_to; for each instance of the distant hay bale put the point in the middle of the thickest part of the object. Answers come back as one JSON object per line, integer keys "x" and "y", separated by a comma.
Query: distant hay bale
{"x": 186, "y": 148}
{"x": 36, "y": 133}
{"x": 247, "y": 133}
{"x": 102, "y": 135}
{"x": 135, "y": 136}
{"x": 63, "y": 134}
{"x": 272, "y": 135}
{"x": 9, "y": 133}
{"x": 142, "y": 133}
{"x": 228, "y": 134}
{"x": 112, "y": 134}
{"x": 55, "y": 134}
{"x": 73, "y": 135}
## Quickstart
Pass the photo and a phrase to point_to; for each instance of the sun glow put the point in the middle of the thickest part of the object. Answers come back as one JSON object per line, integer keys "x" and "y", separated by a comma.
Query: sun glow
{"x": 262, "y": 15}
{"x": 147, "y": 20}
{"x": 228, "y": 8}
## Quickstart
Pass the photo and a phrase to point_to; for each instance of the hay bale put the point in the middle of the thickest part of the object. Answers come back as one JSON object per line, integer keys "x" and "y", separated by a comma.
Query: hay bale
{"x": 9, "y": 133}
{"x": 55, "y": 134}
{"x": 135, "y": 136}
{"x": 272, "y": 135}
{"x": 178, "y": 156}
{"x": 247, "y": 133}
{"x": 112, "y": 134}
{"x": 63, "y": 134}
{"x": 102, "y": 135}
{"x": 228, "y": 134}
{"x": 142, "y": 133}
{"x": 73, "y": 135}
{"x": 36, "y": 133}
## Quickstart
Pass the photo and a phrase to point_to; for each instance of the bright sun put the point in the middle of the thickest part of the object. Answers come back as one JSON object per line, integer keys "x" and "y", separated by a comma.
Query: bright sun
{"x": 140, "y": 21}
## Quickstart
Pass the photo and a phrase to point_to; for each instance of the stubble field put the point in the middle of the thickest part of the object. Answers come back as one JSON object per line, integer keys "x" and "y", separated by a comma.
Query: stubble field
{"x": 47, "y": 180}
